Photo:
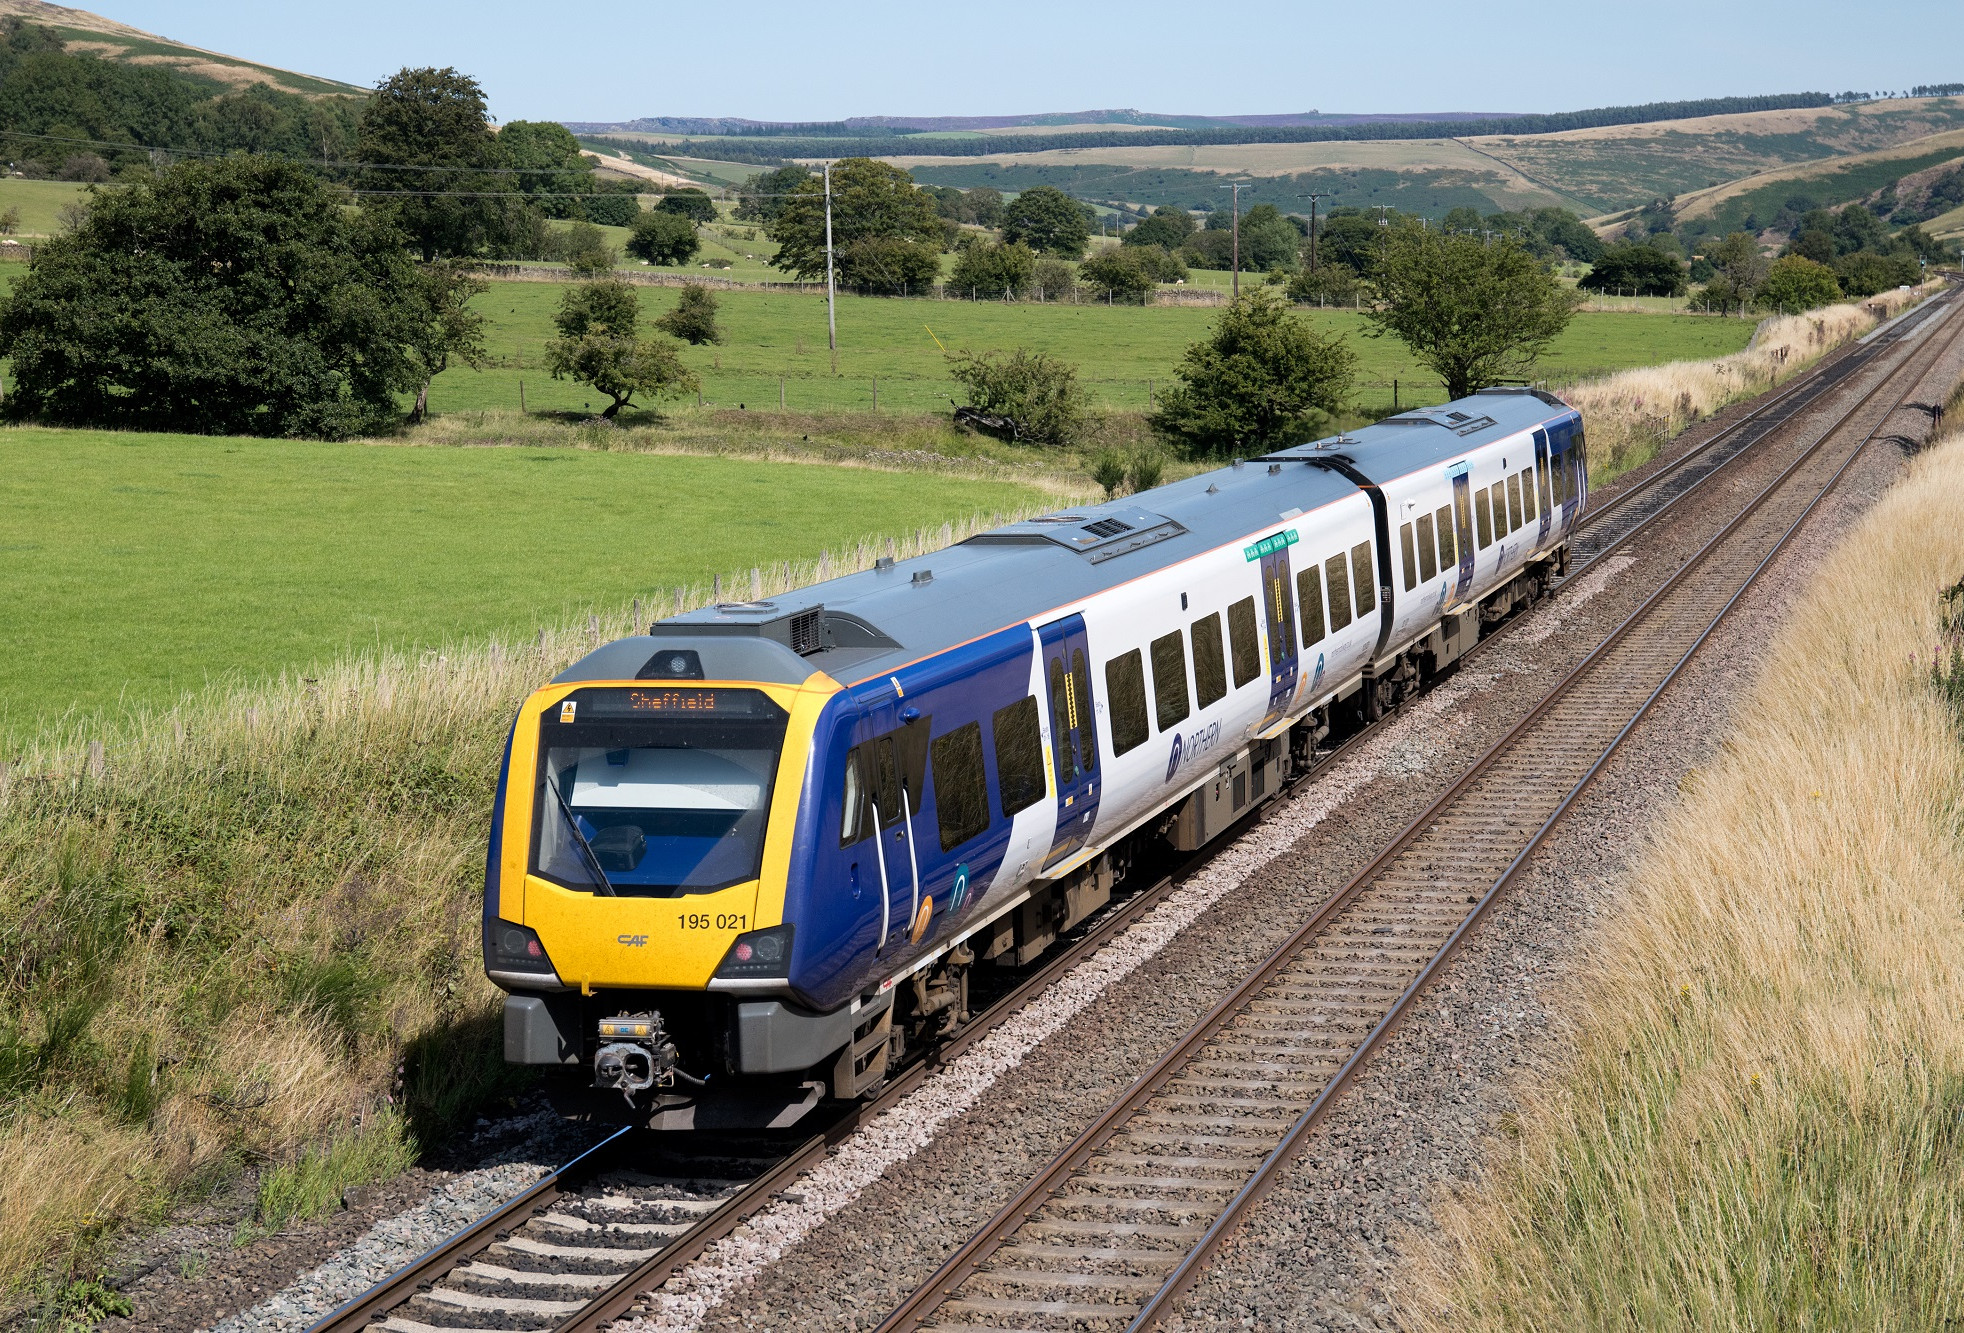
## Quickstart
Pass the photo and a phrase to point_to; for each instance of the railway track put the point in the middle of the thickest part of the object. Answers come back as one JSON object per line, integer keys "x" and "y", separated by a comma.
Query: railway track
{"x": 579, "y": 1248}
{"x": 1121, "y": 1223}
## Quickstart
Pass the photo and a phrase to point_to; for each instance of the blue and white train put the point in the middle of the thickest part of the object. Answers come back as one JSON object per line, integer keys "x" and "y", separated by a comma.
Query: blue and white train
{"x": 738, "y": 863}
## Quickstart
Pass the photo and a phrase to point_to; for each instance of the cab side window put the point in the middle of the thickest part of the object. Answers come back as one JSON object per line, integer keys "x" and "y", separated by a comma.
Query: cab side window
{"x": 1125, "y": 692}
{"x": 961, "y": 791}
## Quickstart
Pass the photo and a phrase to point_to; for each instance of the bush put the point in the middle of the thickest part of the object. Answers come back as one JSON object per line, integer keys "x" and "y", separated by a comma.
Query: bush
{"x": 1864, "y": 273}
{"x": 1108, "y": 470}
{"x": 1039, "y": 393}
{"x": 1053, "y": 280}
{"x": 609, "y": 210}
{"x": 584, "y": 248}
{"x": 1332, "y": 284}
{"x": 1123, "y": 273}
{"x": 1263, "y": 379}
{"x": 694, "y": 318}
{"x": 985, "y": 269}
{"x": 690, "y": 203}
{"x": 1167, "y": 228}
{"x": 1148, "y": 466}
{"x": 1208, "y": 249}
{"x": 661, "y": 238}
{"x": 1795, "y": 283}
{"x": 888, "y": 265}
{"x": 85, "y": 167}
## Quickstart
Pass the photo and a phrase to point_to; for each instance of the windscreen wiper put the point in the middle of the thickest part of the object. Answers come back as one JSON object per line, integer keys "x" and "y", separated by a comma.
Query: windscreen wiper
{"x": 587, "y": 853}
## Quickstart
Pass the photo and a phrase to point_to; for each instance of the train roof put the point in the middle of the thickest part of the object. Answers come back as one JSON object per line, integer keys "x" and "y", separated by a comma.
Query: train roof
{"x": 871, "y": 623}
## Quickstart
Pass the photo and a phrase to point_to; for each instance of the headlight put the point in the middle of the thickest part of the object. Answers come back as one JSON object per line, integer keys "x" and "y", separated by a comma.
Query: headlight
{"x": 515, "y": 952}
{"x": 759, "y": 955}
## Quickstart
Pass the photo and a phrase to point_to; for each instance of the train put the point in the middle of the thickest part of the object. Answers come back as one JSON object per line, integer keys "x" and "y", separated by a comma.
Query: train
{"x": 742, "y": 864}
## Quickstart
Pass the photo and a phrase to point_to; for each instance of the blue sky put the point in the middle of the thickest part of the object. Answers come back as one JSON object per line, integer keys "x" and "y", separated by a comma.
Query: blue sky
{"x": 803, "y": 61}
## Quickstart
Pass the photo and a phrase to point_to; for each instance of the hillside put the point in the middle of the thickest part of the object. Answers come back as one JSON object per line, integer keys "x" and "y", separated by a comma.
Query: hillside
{"x": 92, "y": 34}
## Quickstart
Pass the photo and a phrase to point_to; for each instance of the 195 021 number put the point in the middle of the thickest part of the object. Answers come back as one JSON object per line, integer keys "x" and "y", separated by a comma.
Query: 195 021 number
{"x": 705, "y": 921}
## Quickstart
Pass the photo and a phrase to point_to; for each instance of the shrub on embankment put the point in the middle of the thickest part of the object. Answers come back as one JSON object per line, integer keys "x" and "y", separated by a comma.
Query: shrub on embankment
{"x": 1632, "y": 414}
{"x": 243, "y": 931}
{"x": 1761, "y": 1124}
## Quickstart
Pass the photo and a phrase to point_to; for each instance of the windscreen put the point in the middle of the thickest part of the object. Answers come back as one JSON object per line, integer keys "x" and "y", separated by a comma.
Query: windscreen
{"x": 655, "y": 791}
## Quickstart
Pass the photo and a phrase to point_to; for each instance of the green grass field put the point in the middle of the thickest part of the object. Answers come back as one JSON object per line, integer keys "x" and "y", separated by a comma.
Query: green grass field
{"x": 1117, "y": 349}
{"x": 39, "y": 203}
{"x": 139, "y": 566}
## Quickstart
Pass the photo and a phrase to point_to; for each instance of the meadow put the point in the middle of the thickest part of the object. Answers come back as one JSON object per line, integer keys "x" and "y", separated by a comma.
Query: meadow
{"x": 40, "y": 204}
{"x": 140, "y": 566}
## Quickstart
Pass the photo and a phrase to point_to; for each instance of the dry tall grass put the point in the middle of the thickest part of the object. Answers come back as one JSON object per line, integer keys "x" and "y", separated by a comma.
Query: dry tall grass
{"x": 1762, "y": 1124}
{"x": 1633, "y": 414}
{"x": 246, "y": 926}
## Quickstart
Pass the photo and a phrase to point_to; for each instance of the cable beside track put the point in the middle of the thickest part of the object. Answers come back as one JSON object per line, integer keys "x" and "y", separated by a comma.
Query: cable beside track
{"x": 585, "y": 1243}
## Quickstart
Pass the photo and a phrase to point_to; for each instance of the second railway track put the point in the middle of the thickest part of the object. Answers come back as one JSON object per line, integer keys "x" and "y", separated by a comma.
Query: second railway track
{"x": 579, "y": 1248}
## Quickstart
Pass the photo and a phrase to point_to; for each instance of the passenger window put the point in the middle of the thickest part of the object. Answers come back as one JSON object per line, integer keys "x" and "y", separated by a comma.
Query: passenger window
{"x": 1527, "y": 494}
{"x": 1428, "y": 551}
{"x": 1411, "y": 557}
{"x": 961, "y": 791}
{"x": 1169, "y": 679}
{"x": 1242, "y": 643}
{"x": 1541, "y": 483}
{"x": 1019, "y": 755}
{"x": 1448, "y": 555}
{"x": 1061, "y": 713}
{"x": 886, "y": 781}
{"x": 1338, "y": 572}
{"x": 1088, "y": 731}
{"x": 1514, "y": 503}
{"x": 1125, "y": 692}
{"x": 1364, "y": 576}
{"x": 854, "y": 822}
{"x": 1209, "y": 661}
{"x": 1309, "y": 595}
{"x": 1483, "y": 516}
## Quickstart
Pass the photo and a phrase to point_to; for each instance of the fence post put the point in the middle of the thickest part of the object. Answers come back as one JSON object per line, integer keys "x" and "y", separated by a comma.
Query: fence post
{"x": 521, "y": 398}
{"x": 876, "y": 393}
{"x": 780, "y": 393}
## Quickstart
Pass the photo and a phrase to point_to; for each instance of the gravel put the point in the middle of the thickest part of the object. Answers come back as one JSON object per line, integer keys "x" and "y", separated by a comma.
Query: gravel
{"x": 1321, "y": 1249}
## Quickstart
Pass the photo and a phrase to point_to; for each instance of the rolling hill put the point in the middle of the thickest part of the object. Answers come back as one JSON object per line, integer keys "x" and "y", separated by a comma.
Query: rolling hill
{"x": 92, "y": 34}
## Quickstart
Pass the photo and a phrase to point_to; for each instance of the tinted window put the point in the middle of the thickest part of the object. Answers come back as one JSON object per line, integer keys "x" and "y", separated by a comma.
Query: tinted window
{"x": 1125, "y": 691}
{"x": 1428, "y": 552}
{"x": 856, "y": 821}
{"x": 1169, "y": 679}
{"x": 1448, "y": 555}
{"x": 1527, "y": 493}
{"x": 1019, "y": 756}
{"x": 1411, "y": 557}
{"x": 1309, "y": 593}
{"x": 961, "y": 791}
{"x": 1364, "y": 575}
{"x": 1338, "y": 571}
{"x": 1514, "y": 502}
{"x": 1209, "y": 661}
{"x": 1483, "y": 516}
{"x": 1061, "y": 723}
{"x": 1247, "y": 649}
{"x": 1081, "y": 704}
{"x": 1541, "y": 480}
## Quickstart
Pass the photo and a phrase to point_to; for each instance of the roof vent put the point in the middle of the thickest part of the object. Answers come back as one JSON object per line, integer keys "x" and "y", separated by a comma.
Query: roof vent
{"x": 1108, "y": 527}
{"x": 807, "y": 632}
{"x": 1117, "y": 529}
{"x": 923, "y": 576}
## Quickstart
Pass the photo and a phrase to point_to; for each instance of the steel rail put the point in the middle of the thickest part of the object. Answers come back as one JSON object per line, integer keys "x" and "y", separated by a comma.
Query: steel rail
{"x": 619, "y": 1298}
{"x": 968, "y": 1259}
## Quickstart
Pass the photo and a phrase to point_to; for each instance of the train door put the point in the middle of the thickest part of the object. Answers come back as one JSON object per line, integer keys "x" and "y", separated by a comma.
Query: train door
{"x": 1463, "y": 528}
{"x": 1278, "y": 605}
{"x": 1578, "y": 479}
{"x": 891, "y": 768}
{"x": 1541, "y": 483}
{"x": 1073, "y": 733}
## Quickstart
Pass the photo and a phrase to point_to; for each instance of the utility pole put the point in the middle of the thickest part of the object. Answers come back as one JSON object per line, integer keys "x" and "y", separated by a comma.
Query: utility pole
{"x": 1384, "y": 214}
{"x": 1313, "y": 197}
{"x": 1235, "y": 222}
{"x": 831, "y": 286}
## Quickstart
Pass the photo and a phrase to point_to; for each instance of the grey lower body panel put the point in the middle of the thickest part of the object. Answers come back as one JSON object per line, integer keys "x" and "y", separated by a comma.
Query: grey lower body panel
{"x": 777, "y": 1038}
{"x": 542, "y": 1030}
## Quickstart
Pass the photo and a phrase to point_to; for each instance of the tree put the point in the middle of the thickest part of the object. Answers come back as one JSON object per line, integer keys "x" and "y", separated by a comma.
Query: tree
{"x": 1794, "y": 283}
{"x": 1864, "y": 273}
{"x": 1047, "y": 220}
{"x": 1635, "y": 268}
{"x": 1462, "y": 219}
{"x": 988, "y": 270}
{"x": 1264, "y": 378}
{"x": 1037, "y": 392}
{"x": 1739, "y": 267}
{"x": 663, "y": 238}
{"x": 1473, "y": 312}
{"x": 1123, "y": 273}
{"x": 449, "y": 327}
{"x": 1053, "y": 279}
{"x": 586, "y": 249}
{"x": 1815, "y": 244}
{"x": 763, "y": 198}
{"x": 694, "y": 318}
{"x": 425, "y": 133}
{"x": 1349, "y": 237}
{"x": 870, "y": 201}
{"x": 544, "y": 161}
{"x": 1327, "y": 284}
{"x": 599, "y": 345}
{"x": 889, "y": 265}
{"x": 690, "y": 203}
{"x": 10, "y": 220}
{"x": 1209, "y": 249}
{"x": 1168, "y": 227}
{"x": 236, "y": 295}
{"x": 1269, "y": 242}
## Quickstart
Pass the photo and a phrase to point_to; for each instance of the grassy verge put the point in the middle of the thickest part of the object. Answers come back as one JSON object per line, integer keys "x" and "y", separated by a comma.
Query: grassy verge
{"x": 245, "y": 930}
{"x": 1762, "y": 1122}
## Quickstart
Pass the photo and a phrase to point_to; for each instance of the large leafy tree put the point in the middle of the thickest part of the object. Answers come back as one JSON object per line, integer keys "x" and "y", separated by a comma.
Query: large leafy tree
{"x": 885, "y": 232}
{"x": 1265, "y": 378}
{"x": 1269, "y": 241}
{"x": 1049, "y": 221}
{"x": 1475, "y": 312}
{"x": 1637, "y": 268}
{"x": 1168, "y": 226}
{"x": 600, "y": 345}
{"x": 426, "y": 138}
{"x": 764, "y": 197}
{"x": 1795, "y": 283}
{"x": 239, "y": 295}
{"x": 543, "y": 161}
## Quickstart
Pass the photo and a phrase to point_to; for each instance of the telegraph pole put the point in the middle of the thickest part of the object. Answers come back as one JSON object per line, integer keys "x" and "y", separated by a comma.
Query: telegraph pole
{"x": 1235, "y": 223}
{"x": 831, "y": 286}
{"x": 1324, "y": 194}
